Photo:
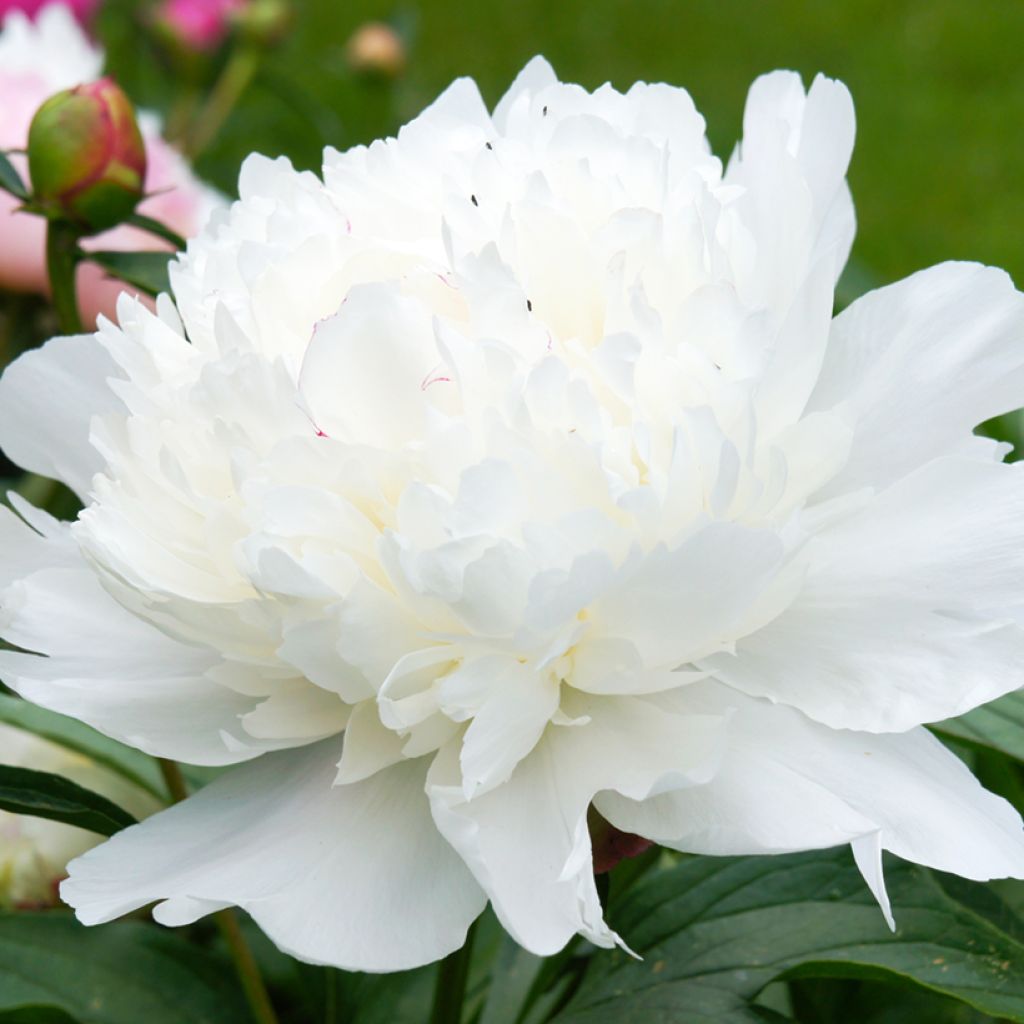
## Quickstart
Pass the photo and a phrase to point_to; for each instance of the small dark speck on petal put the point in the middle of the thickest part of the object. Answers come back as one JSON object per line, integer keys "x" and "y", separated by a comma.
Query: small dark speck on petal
{"x": 488, "y": 145}
{"x": 472, "y": 199}
{"x": 529, "y": 306}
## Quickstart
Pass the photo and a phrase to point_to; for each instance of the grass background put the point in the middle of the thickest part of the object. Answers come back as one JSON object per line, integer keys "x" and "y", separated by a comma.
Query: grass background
{"x": 938, "y": 172}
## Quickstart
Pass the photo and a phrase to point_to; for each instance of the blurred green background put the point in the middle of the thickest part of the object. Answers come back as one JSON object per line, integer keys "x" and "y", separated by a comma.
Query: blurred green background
{"x": 938, "y": 172}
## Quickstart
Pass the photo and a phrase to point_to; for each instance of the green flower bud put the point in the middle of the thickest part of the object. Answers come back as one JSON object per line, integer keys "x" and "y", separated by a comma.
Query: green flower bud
{"x": 86, "y": 157}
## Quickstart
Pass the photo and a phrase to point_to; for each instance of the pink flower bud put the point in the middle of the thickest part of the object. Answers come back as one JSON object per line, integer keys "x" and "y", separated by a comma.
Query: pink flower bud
{"x": 83, "y": 10}
{"x": 198, "y": 24}
{"x": 376, "y": 49}
{"x": 28, "y": 75}
{"x": 86, "y": 157}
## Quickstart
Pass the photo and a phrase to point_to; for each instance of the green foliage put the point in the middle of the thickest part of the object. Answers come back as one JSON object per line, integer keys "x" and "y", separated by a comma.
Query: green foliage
{"x": 154, "y": 227}
{"x": 997, "y": 726}
{"x": 402, "y": 998}
{"x": 146, "y": 271}
{"x": 10, "y": 179}
{"x": 714, "y": 932}
{"x": 35, "y": 1015}
{"x": 45, "y": 795}
{"x": 135, "y": 766}
{"x": 122, "y": 973}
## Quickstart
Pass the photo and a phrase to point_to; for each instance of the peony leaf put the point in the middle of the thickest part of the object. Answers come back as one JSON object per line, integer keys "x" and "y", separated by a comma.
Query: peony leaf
{"x": 998, "y": 725}
{"x": 45, "y": 795}
{"x": 123, "y": 973}
{"x": 146, "y": 271}
{"x": 10, "y": 179}
{"x": 133, "y": 765}
{"x": 155, "y": 227}
{"x": 36, "y": 1015}
{"x": 714, "y": 932}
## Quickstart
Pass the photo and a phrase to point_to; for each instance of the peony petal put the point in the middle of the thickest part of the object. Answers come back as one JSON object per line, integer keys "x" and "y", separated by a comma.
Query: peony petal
{"x": 512, "y": 707}
{"x": 354, "y": 876}
{"x": 104, "y": 665}
{"x": 363, "y": 373}
{"x": 535, "y": 76}
{"x": 954, "y": 331}
{"x": 526, "y": 841}
{"x": 48, "y": 397}
{"x": 786, "y": 783}
{"x": 792, "y": 164}
{"x": 682, "y": 604}
{"x": 910, "y": 611}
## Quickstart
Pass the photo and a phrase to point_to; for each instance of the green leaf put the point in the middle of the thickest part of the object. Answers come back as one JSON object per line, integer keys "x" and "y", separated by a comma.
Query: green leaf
{"x": 45, "y": 795}
{"x": 715, "y": 931}
{"x": 127, "y": 972}
{"x": 137, "y": 767}
{"x": 998, "y": 725}
{"x": 401, "y": 998}
{"x": 827, "y": 1000}
{"x": 154, "y": 227}
{"x": 146, "y": 271}
{"x": 514, "y": 975}
{"x": 10, "y": 179}
{"x": 35, "y": 1015}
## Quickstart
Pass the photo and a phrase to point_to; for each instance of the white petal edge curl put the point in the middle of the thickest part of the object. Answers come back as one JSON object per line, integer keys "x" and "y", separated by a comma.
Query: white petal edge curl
{"x": 48, "y": 398}
{"x": 954, "y": 330}
{"x": 786, "y": 783}
{"x": 911, "y": 610}
{"x": 353, "y": 876}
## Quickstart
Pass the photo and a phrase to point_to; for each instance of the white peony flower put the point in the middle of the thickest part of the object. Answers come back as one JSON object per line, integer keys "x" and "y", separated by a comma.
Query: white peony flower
{"x": 524, "y": 451}
{"x": 34, "y": 852}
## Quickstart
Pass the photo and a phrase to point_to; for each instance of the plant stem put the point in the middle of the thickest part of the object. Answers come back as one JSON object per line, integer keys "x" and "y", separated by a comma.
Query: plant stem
{"x": 173, "y": 779}
{"x": 331, "y": 996}
{"x": 247, "y": 968}
{"x": 61, "y": 263}
{"x": 226, "y": 92}
{"x": 227, "y": 922}
{"x": 450, "y": 988}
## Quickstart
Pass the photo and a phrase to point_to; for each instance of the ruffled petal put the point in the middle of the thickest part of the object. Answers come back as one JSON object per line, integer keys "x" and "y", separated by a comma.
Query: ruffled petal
{"x": 786, "y": 783}
{"x": 354, "y": 876}
{"x": 48, "y": 397}
{"x": 916, "y": 366}
{"x": 911, "y": 611}
{"x": 527, "y": 841}
{"x": 95, "y": 661}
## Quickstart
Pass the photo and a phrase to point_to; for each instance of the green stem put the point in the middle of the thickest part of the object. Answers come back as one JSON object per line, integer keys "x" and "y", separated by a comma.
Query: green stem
{"x": 181, "y": 113}
{"x": 450, "y": 988}
{"x": 331, "y": 1008}
{"x": 247, "y": 968}
{"x": 61, "y": 262}
{"x": 227, "y": 922}
{"x": 173, "y": 779}
{"x": 238, "y": 73}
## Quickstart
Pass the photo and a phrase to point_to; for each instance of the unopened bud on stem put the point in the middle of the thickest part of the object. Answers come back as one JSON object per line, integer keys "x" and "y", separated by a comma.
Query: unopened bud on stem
{"x": 86, "y": 157}
{"x": 376, "y": 50}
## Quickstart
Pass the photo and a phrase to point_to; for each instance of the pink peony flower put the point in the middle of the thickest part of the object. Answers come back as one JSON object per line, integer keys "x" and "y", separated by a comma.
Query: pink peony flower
{"x": 83, "y": 10}
{"x": 37, "y": 60}
{"x": 198, "y": 24}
